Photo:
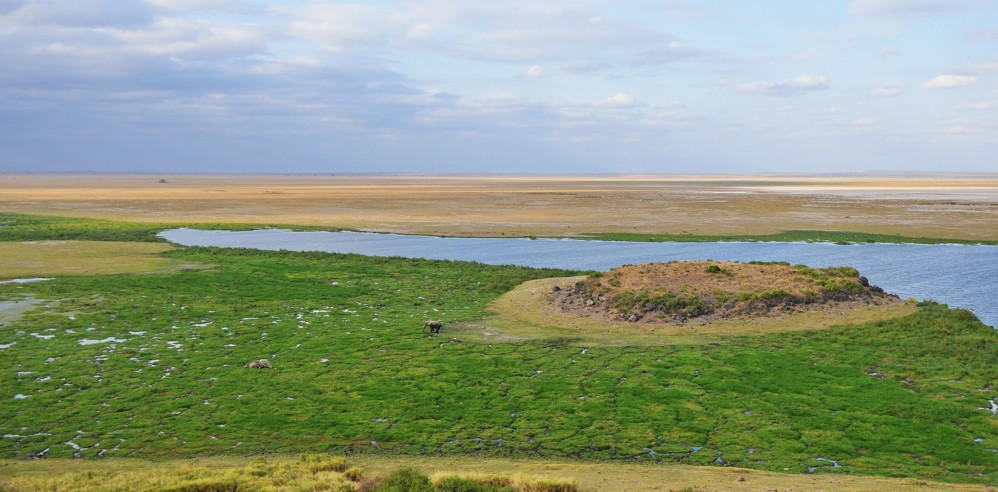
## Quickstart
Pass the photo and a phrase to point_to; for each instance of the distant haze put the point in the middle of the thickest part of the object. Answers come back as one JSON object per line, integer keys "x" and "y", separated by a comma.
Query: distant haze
{"x": 442, "y": 86}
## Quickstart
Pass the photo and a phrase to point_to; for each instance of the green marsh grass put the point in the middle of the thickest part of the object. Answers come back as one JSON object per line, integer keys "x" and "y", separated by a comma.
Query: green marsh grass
{"x": 353, "y": 373}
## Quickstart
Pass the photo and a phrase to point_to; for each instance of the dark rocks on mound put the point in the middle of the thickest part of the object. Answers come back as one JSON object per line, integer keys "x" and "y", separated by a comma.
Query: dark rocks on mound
{"x": 820, "y": 286}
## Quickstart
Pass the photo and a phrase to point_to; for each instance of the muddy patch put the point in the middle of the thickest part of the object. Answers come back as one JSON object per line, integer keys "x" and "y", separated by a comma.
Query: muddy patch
{"x": 14, "y": 309}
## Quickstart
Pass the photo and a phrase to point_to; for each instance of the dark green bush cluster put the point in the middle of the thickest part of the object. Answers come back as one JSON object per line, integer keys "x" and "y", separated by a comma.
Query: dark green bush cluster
{"x": 409, "y": 479}
{"x": 669, "y": 303}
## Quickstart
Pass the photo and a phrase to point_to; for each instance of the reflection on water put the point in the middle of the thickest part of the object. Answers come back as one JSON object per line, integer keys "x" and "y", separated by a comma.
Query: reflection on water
{"x": 959, "y": 275}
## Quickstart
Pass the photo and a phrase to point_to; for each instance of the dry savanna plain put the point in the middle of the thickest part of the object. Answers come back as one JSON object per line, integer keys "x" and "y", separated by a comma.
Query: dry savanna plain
{"x": 127, "y": 368}
{"x": 946, "y": 206}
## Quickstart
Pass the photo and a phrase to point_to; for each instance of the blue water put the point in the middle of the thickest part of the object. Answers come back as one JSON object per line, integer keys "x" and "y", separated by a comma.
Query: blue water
{"x": 959, "y": 275}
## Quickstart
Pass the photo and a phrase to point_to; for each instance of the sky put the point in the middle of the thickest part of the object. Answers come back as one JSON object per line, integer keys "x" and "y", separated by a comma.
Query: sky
{"x": 512, "y": 86}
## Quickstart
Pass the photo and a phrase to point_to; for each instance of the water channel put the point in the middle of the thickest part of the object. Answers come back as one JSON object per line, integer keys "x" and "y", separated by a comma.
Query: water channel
{"x": 959, "y": 275}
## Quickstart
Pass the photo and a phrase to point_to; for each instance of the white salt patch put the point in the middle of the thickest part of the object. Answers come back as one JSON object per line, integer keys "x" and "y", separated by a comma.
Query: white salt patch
{"x": 174, "y": 344}
{"x": 994, "y": 407}
{"x": 70, "y": 331}
{"x": 137, "y": 333}
{"x": 323, "y": 360}
{"x": 50, "y": 359}
{"x": 24, "y": 280}
{"x": 43, "y": 337}
{"x": 230, "y": 345}
{"x": 202, "y": 325}
{"x": 42, "y": 380}
{"x": 87, "y": 341}
{"x": 20, "y": 396}
{"x": 247, "y": 319}
{"x": 71, "y": 317}
{"x": 320, "y": 311}
{"x": 6, "y": 345}
{"x": 152, "y": 362}
{"x": 24, "y": 373}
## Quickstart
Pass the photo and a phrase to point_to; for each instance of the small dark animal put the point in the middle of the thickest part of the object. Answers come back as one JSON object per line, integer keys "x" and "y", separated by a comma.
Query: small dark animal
{"x": 260, "y": 364}
{"x": 865, "y": 282}
{"x": 434, "y": 325}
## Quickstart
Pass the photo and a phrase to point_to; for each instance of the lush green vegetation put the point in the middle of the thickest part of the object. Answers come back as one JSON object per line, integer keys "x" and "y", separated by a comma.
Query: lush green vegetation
{"x": 841, "y": 237}
{"x": 153, "y": 366}
{"x": 21, "y": 227}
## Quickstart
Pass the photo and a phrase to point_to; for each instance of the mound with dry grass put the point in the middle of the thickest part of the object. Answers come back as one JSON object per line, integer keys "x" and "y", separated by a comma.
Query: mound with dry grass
{"x": 704, "y": 291}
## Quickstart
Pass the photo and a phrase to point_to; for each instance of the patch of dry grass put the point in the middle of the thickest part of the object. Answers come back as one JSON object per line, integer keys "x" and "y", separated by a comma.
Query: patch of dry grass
{"x": 291, "y": 473}
{"x": 77, "y": 258}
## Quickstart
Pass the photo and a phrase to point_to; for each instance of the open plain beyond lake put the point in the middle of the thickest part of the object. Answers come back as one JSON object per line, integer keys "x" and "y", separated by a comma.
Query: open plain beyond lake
{"x": 140, "y": 358}
{"x": 936, "y": 206}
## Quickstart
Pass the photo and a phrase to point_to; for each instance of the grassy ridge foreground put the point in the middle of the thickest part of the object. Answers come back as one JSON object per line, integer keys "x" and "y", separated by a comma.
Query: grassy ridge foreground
{"x": 152, "y": 366}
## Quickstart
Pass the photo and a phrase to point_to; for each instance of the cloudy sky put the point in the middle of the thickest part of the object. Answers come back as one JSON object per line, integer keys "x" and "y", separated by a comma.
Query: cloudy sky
{"x": 553, "y": 86}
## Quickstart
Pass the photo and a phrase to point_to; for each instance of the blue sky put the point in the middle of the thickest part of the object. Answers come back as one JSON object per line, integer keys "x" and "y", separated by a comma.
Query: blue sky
{"x": 667, "y": 86}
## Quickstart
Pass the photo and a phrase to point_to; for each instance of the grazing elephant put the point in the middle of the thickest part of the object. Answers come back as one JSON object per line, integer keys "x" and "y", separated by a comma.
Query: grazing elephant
{"x": 260, "y": 364}
{"x": 434, "y": 325}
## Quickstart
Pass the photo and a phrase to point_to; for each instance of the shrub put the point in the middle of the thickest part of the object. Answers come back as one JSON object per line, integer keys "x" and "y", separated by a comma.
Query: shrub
{"x": 354, "y": 474}
{"x": 406, "y": 479}
{"x": 320, "y": 462}
{"x": 459, "y": 484}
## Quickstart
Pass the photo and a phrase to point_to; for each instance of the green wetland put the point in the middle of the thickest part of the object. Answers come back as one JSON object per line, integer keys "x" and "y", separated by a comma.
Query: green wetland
{"x": 154, "y": 366}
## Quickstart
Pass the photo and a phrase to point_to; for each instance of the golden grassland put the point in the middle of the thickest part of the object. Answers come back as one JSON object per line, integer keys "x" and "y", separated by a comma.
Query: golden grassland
{"x": 75, "y": 258}
{"x": 953, "y": 207}
{"x": 311, "y": 473}
{"x": 526, "y": 313}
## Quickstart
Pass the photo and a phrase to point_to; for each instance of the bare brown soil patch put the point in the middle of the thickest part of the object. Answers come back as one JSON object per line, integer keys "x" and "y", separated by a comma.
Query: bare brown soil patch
{"x": 956, "y": 207}
{"x": 706, "y": 291}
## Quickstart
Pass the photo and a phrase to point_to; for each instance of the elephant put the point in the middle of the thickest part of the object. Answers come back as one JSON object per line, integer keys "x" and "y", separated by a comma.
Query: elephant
{"x": 260, "y": 364}
{"x": 434, "y": 326}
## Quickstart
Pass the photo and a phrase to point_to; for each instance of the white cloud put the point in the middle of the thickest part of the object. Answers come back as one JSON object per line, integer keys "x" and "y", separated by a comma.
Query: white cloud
{"x": 671, "y": 52}
{"x": 619, "y": 99}
{"x": 947, "y": 81}
{"x": 984, "y": 34}
{"x": 797, "y": 85}
{"x": 887, "y": 90}
{"x": 809, "y": 54}
{"x": 861, "y": 122}
{"x": 905, "y": 8}
{"x": 534, "y": 71}
{"x": 342, "y": 27}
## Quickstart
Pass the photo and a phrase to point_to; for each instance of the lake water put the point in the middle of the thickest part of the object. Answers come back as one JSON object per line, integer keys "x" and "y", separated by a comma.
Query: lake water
{"x": 959, "y": 275}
